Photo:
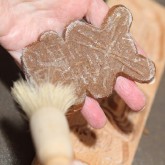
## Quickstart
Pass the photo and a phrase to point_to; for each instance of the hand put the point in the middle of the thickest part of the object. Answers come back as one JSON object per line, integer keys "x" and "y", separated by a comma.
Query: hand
{"x": 24, "y": 20}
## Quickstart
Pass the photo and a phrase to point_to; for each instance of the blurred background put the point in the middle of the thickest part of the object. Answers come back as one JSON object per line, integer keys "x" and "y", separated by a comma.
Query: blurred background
{"x": 161, "y": 2}
{"x": 15, "y": 142}
{"x": 151, "y": 150}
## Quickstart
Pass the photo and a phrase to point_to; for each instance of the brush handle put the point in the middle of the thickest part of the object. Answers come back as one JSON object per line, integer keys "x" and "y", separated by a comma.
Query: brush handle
{"x": 51, "y": 137}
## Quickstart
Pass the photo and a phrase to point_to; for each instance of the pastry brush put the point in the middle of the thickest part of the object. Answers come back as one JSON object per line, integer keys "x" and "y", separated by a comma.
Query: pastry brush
{"x": 45, "y": 106}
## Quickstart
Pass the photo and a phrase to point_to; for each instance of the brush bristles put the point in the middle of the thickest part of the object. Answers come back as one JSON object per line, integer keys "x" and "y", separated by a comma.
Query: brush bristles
{"x": 33, "y": 98}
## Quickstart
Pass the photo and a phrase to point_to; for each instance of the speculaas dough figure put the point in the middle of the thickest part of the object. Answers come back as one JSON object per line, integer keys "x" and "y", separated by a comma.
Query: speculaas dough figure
{"x": 90, "y": 58}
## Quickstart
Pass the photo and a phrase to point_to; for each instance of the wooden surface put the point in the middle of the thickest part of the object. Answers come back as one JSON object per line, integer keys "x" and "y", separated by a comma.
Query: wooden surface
{"x": 117, "y": 142}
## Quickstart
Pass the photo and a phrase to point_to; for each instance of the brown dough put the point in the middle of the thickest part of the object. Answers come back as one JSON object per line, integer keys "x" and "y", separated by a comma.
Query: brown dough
{"x": 90, "y": 58}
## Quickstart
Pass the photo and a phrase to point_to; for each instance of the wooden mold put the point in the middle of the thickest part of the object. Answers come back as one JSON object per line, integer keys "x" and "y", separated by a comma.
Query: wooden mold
{"x": 116, "y": 143}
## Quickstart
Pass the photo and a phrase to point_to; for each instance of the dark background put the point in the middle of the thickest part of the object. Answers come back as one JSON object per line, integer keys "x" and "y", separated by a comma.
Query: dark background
{"x": 15, "y": 142}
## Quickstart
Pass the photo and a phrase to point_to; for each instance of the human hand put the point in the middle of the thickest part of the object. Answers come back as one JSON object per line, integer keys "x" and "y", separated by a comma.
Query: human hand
{"x": 24, "y": 20}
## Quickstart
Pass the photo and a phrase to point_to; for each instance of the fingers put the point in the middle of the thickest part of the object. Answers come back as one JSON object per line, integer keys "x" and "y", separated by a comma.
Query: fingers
{"x": 127, "y": 90}
{"x": 130, "y": 93}
{"x": 93, "y": 113}
{"x": 96, "y": 12}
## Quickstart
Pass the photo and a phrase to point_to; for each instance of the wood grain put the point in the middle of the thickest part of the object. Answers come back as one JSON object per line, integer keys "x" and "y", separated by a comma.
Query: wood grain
{"x": 117, "y": 142}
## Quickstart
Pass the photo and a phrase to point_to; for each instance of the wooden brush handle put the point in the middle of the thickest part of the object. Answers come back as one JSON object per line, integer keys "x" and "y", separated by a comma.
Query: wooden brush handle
{"x": 51, "y": 136}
